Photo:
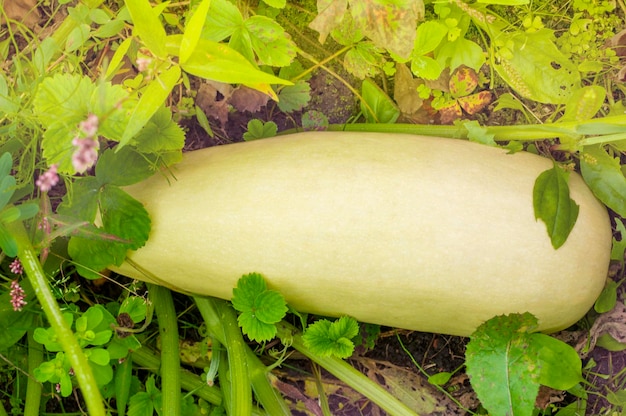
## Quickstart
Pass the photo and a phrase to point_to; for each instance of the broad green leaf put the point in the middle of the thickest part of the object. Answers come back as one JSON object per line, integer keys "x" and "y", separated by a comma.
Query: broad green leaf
{"x": 502, "y": 373}
{"x": 122, "y": 168}
{"x": 553, "y": 205}
{"x": 152, "y": 98}
{"x": 429, "y": 36}
{"x": 584, "y": 104}
{"x": 604, "y": 176}
{"x": 607, "y": 299}
{"x": 223, "y": 19}
{"x": 376, "y": 106}
{"x": 294, "y": 97}
{"x": 82, "y": 202}
{"x": 28, "y": 210}
{"x": 328, "y": 339}
{"x": 533, "y": 66}
{"x": 218, "y": 62}
{"x": 135, "y": 307}
{"x": 560, "y": 366}
{"x": 460, "y": 52}
{"x": 63, "y": 97}
{"x": 9, "y": 214}
{"x": 269, "y": 41}
{"x": 440, "y": 379}
{"x": 426, "y": 67}
{"x": 160, "y": 134}
{"x": 193, "y": 30}
{"x": 619, "y": 246}
{"x": 148, "y": 26}
{"x": 390, "y": 25}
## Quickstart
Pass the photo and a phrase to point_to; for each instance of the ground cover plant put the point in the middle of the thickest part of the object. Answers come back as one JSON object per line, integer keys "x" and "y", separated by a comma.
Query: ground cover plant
{"x": 97, "y": 95}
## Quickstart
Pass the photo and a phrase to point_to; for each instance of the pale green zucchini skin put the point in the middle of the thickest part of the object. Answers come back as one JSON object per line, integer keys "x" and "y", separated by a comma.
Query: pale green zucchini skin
{"x": 414, "y": 232}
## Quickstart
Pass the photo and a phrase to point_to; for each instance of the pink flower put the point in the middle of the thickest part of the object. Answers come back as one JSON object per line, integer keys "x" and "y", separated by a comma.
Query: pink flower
{"x": 89, "y": 126}
{"x": 17, "y": 296}
{"x": 48, "y": 179}
{"x": 86, "y": 153}
{"x": 16, "y": 267}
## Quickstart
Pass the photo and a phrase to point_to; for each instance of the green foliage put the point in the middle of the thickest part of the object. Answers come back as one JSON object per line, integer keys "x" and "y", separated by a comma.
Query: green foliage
{"x": 260, "y": 130}
{"x": 553, "y": 205}
{"x": 507, "y": 362}
{"x": 604, "y": 176}
{"x": 376, "y": 106}
{"x": 260, "y": 308}
{"x": 327, "y": 338}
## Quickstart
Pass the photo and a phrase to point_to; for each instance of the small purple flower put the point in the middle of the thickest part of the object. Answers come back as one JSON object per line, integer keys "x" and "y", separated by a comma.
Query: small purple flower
{"x": 86, "y": 153}
{"x": 16, "y": 267}
{"x": 17, "y": 296}
{"x": 89, "y": 126}
{"x": 48, "y": 179}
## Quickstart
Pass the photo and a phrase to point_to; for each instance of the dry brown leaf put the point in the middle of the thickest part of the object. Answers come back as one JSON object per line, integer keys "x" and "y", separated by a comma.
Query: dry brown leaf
{"x": 329, "y": 15}
{"x": 24, "y": 11}
{"x": 405, "y": 90}
{"x": 247, "y": 99}
{"x": 213, "y": 98}
{"x": 612, "y": 323}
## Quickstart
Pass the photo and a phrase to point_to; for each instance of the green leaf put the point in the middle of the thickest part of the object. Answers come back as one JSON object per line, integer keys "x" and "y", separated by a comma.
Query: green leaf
{"x": 460, "y": 52}
{"x": 269, "y": 41}
{"x": 327, "y": 338}
{"x": 363, "y": 60}
{"x": 218, "y": 62}
{"x": 6, "y": 163}
{"x": 135, "y": 307}
{"x": 255, "y": 329}
{"x": 248, "y": 287}
{"x": 277, "y": 4}
{"x": 429, "y": 36}
{"x": 376, "y": 106}
{"x": 28, "y": 210}
{"x": 152, "y": 98}
{"x": 260, "y": 130}
{"x": 193, "y": 30}
{"x": 122, "y": 168}
{"x": 619, "y": 246}
{"x": 223, "y": 20}
{"x": 584, "y": 104}
{"x": 553, "y": 205}
{"x": 504, "y": 376}
{"x": 98, "y": 356}
{"x": 148, "y": 26}
{"x": 144, "y": 403}
{"x": 82, "y": 202}
{"x": 608, "y": 298}
{"x": 505, "y": 2}
{"x": 604, "y": 176}
{"x": 560, "y": 366}
{"x": 9, "y": 214}
{"x": 440, "y": 379}
{"x": 7, "y": 242}
{"x": 533, "y": 66}
{"x": 294, "y": 97}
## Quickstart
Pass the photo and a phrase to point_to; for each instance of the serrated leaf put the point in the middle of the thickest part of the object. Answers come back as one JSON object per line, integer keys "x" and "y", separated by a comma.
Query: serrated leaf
{"x": 124, "y": 216}
{"x": 82, "y": 202}
{"x": 376, "y": 106}
{"x": 559, "y": 363}
{"x": 148, "y": 26}
{"x": 160, "y": 134}
{"x": 248, "y": 287}
{"x": 152, "y": 98}
{"x": 553, "y": 205}
{"x": 363, "y": 60}
{"x": 294, "y": 97}
{"x": 604, "y": 176}
{"x": 503, "y": 375}
{"x": 260, "y": 130}
{"x": 479, "y": 134}
{"x": 255, "y": 329}
{"x": 269, "y": 307}
{"x": 332, "y": 338}
{"x": 193, "y": 30}
{"x": 122, "y": 168}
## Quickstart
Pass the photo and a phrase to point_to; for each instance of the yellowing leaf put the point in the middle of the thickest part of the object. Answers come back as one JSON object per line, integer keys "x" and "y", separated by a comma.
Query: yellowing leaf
{"x": 330, "y": 13}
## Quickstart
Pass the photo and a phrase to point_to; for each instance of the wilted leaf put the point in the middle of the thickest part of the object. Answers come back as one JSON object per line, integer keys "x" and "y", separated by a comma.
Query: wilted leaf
{"x": 474, "y": 103}
{"x": 329, "y": 15}
{"x": 463, "y": 82}
{"x": 363, "y": 60}
{"x": 405, "y": 90}
{"x": 247, "y": 99}
{"x": 24, "y": 11}
{"x": 213, "y": 104}
{"x": 450, "y": 112}
{"x": 391, "y": 25}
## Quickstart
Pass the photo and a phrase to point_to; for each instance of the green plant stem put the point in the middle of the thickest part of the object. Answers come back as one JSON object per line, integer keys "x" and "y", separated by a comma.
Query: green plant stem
{"x": 346, "y": 373}
{"x": 3, "y": 411}
{"x": 149, "y": 360}
{"x": 33, "y": 387}
{"x": 38, "y": 280}
{"x": 163, "y": 304}
{"x": 265, "y": 393}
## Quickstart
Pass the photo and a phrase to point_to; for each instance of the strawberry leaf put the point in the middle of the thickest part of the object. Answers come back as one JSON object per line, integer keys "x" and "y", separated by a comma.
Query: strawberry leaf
{"x": 328, "y": 338}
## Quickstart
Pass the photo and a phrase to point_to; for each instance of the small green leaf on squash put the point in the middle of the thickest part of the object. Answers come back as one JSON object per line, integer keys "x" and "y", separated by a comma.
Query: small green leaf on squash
{"x": 328, "y": 338}
{"x": 553, "y": 205}
{"x": 604, "y": 176}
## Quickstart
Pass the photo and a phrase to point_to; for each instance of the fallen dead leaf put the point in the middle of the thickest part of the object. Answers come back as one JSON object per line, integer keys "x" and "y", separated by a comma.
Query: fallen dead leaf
{"x": 247, "y": 99}
{"x": 213, "y": 98}
{"x": 24, "y": 11}
{"x": 405, "y": 90}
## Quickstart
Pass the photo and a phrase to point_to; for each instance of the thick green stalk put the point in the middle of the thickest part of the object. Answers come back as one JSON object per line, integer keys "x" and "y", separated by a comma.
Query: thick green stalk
{"x": 163, "y": 304}
{"x": 264, "y": 392}
{"x": 346, "y": 373}
{"x": 74, "y": 353}
{"x": 188, "y": 381}
{"x": 33, "y": 387}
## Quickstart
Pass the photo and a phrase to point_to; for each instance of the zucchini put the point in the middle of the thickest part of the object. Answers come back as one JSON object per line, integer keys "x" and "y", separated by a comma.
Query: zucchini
{"x": 422, "y": 233}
